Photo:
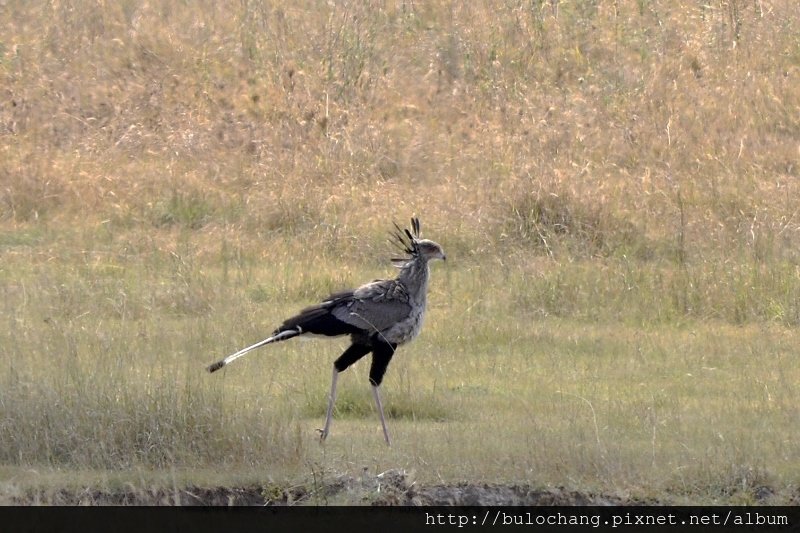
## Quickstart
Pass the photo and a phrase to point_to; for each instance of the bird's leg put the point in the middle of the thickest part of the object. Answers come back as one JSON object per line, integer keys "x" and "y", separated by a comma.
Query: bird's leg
{"x": 331, "y": 400}
{"x": 379, "y": 405}
{"x": 381, "y": 355}
{"x": 351, "y": 355}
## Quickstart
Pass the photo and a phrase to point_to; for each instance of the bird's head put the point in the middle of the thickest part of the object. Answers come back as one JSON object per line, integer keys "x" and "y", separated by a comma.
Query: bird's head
{"x": 412, "y": 244}
{"x": 430, "y": 250}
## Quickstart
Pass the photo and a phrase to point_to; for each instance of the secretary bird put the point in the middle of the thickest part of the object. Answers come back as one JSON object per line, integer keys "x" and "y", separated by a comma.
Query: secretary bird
{"x": 379, "y": 316}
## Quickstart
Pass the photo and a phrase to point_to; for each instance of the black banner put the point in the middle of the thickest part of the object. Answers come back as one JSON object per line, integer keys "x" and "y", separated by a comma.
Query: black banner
{"x": 389, "y": 519}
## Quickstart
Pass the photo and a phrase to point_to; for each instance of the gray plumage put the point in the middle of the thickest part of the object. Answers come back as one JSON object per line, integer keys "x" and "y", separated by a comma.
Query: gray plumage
{"x": 379, "y": 316}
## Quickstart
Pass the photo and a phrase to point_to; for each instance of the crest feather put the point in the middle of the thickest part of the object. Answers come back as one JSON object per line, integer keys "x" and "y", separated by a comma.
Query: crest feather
{"x": 406, "y": 241}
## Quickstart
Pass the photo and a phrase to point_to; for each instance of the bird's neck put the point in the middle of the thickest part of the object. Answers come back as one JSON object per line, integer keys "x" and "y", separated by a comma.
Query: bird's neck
{"x": 414, "y": 275}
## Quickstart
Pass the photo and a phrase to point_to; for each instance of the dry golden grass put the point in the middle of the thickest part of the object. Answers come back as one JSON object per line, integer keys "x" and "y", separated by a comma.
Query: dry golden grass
{"x": 616, "y": 183}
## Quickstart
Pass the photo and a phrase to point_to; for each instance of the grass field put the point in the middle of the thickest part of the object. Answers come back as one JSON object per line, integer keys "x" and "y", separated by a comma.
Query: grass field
{"x": 616, "y": 185}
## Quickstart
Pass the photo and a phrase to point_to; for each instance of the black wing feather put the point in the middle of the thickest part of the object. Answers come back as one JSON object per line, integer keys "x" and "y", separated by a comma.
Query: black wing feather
{"x": 319, "y": 320}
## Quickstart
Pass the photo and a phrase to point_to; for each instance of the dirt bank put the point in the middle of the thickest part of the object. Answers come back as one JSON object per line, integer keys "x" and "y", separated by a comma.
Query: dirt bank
{"x": 393, "y": 487}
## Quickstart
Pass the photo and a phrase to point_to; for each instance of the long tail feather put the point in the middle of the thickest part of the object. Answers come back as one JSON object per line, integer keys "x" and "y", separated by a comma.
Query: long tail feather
{"x": 283, "y": 335}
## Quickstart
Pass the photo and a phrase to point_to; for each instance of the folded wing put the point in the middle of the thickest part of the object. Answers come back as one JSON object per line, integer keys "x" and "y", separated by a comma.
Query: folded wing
{"x": 375, "y": 307}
